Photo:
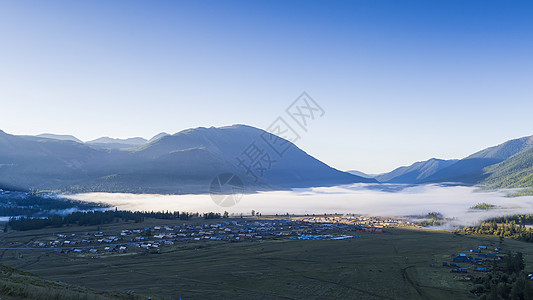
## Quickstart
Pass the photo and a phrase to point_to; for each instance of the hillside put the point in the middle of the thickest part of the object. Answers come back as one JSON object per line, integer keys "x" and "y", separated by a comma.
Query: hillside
{"x": 470, "y": 169}
{"x": 488, "y": 166}
{"x": 16, "y": 284}
{"x": 60, "y": 137}
{"x": 185, "y": 162}
{"x": 415, "y": 173}
{"x": 505, "y": 150}
{"x": 362, "y": 174}
{"x": 116, "y": 144}
{"x": 515, "y": 172}
{"x": 223, "y": 147}
{"x": 157, "y": 136}
{"x": 31, "y": 163}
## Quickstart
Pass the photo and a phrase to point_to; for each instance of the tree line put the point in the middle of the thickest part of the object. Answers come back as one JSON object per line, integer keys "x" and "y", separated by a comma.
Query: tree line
{"x": 22, "y": 204}
{"x": 510, "y": 227}
{"x": 101, "y": 217}
{"x": 505, "y": 282}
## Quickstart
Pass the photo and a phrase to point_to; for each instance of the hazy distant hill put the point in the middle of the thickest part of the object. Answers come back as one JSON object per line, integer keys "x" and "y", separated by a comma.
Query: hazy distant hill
{"x": 157, "y": 136}
{"x": 504, "y": 165}
{"x": 362, "y": 174}
{"x": 123, "y": 144}
{"x": 185, "y": 162}
{"x": 470, "y": 169}
{"x": 33, "y": 162}
{"x": 59, "y": 137}
{"x": 415, "y": 173}
{"x": 111, "y": 143}
{"x": 130, "y": 141}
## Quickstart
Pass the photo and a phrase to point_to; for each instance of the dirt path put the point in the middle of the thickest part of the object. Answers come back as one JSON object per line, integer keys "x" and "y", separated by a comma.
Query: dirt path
{"x": 409, "y": 280}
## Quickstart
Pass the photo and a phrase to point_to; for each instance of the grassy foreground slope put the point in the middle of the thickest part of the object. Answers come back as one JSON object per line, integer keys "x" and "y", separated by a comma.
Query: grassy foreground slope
{"x": 16, "y": 284}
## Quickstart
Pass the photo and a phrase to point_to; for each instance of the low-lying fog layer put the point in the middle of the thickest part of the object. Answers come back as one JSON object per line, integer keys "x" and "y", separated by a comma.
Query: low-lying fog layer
{"x": 378, "y": 200}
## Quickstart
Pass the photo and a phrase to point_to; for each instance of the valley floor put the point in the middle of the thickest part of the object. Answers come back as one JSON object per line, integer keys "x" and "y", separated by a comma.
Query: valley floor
{"x": 396, "y": 264}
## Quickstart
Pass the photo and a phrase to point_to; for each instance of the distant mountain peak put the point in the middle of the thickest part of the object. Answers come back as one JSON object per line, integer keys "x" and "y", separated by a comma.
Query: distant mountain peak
{"x": 237, "y": 126}
{"x": 116, "y": 143}
{"x": 505, "y": 150}
{"x": 435, "y": 159}
{"x": 417, "y": 172}
{"x": 361, "y": 174}
{"x": 128, "y": 141}
{"x": 185, "y": 162}
{"x": 60, "y": 137}
{"x": 157, "y": 137}
{"x": 470, "y": 169}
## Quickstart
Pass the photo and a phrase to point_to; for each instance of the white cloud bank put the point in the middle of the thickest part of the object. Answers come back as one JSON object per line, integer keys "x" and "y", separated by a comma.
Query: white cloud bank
{"x": 451, "y": 201}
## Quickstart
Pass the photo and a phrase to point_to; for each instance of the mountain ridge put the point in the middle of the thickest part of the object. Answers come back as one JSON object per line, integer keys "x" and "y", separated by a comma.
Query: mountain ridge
{"x": 184, "y": 162}
{"x": 416, "y": 172}
{"x": 515, "y": 172}
{"x": 62, "y": 137}
{"x": 470, "y": 169}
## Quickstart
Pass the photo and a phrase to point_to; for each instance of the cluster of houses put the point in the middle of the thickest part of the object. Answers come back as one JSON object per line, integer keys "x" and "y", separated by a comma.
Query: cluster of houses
{"x": 6, "y": 198}
{"x": 478, "y": 259}
{"x": 359, "y": 220}
{"x": 323, "y": 237}
{"x": 152, "y": 239}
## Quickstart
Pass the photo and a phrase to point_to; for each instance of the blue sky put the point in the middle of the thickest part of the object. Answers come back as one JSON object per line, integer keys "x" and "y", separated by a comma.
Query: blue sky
{"x": 400, "y": 81}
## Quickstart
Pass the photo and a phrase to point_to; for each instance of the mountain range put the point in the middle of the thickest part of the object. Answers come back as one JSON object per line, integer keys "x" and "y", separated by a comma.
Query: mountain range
{"x": 515, "y": 172}
{"x": 185, "y": 162}
{"x": 417, "y": 172}
{"x": 362, "y": 174}
{"x": 508, "y": 165}
{"x": 122, "y": 144}
{"x": 60, "y": 137}
{"x": 106, "y": 142}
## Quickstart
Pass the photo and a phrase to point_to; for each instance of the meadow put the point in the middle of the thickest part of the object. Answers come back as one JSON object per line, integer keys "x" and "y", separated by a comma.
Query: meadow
{"x": 398, "y": 264}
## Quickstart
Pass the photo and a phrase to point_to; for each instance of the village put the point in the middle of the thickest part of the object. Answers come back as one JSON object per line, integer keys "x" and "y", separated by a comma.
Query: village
{"x": 370, "y": 222}
{"x": 481, "y": 260}
{"x": 152, "y": 239}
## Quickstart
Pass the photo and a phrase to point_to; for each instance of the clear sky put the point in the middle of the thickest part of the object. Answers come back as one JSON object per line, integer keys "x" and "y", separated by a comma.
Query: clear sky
{"x": 400, "y": 81}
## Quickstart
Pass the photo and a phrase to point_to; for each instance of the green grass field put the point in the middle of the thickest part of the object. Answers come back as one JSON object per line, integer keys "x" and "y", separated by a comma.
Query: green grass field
{"x": 16, "y": 284}
{"x": 395, "y": 265}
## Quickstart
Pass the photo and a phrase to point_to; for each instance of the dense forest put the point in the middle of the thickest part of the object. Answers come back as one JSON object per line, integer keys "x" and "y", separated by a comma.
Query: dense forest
{"x": 101, "y": 217}
{"x": 511, "y": 227}
{"x": 483, "y": 206}
{"x": 25, "y": 204}
{"x": 515, "y": 172}
{"x": 506, "y": 282}
{"x": 432, "y": 219}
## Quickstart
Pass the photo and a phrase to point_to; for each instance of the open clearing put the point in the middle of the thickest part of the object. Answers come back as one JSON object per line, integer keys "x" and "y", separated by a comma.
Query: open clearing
{"x": 393, "y": 265}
